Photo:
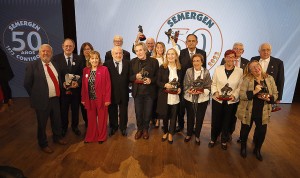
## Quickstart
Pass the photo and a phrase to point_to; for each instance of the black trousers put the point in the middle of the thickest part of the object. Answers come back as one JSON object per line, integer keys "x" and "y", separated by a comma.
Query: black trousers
{"x": 201, "y": 109}
{"x": 260, "y": 132}
{"x": 233, "y": 119}
{"x": 66, "y": 101}
{"x": 181, "y": 112}
{"x": 143, "y": 111}
{"x": 52, "y": 111}
{"x": 6, "y": 90}
{"x": 171, "y": 115}
{"x": 220, "y": 122}
{"x": 116, "y": 110}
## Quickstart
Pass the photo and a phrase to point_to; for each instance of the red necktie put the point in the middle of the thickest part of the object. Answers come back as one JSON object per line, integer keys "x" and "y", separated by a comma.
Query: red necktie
{"x": 54, "y": 80}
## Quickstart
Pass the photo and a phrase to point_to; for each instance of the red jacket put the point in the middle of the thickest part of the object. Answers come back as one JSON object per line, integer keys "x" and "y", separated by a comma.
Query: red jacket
{"x": 102, "y": 87}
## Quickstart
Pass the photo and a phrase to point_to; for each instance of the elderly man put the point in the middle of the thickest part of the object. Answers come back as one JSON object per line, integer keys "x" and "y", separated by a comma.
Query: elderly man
{"x": 69, "y": 63}
{"x": 143, "y": 74}
{"x": 118, "y": 41}
{"x": 119, "y": 74}
{"x": 42, "y": 85}
{"x": 186, "y": 62}
{"x": 239, "y": 50}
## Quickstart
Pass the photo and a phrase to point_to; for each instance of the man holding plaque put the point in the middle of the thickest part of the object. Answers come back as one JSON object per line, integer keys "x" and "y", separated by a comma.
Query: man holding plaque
{"x": 143, "y": 71}
{"x": 150, "y": 42}
{"x": 69, "y": 63}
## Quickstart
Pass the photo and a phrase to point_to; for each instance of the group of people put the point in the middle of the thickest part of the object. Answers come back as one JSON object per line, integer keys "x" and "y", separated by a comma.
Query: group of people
{"x": 166, "y": 84}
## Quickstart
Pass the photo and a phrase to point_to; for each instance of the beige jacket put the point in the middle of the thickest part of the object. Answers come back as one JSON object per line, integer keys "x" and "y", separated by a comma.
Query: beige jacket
{"x": 244, "y": 111}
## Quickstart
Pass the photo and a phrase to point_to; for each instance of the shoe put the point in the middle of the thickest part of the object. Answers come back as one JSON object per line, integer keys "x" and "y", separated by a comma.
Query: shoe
{"x": 238, "y": 140}
{"x": 187, "y": 138}
{"x": 197, "y": 141}
{"x": 112, "y": 131}
{"x": 178, "y": 129}
{"x": 100, "y": 142}
{"x": 164, "y": 138}
{"x": 63, "y": 132}
{"x": 47, "y": 149}
{"x": 60, "y": 142}
{"x": 76, "y": 131}
{"x": 85, "y": 142}
{"x": 170, "y": 139}
{"x": 4, "y": 107}
{"x": 257, "y": 154}
{"x": 224, "y": 146}
{"x": 229, "y": 138}
{"x": 124, "y": 133}
{"x": 145, "y": 134}
{"x": 243, "y": 150}
{"x": 138, "y": 134}
{"x": 211, "y": 144}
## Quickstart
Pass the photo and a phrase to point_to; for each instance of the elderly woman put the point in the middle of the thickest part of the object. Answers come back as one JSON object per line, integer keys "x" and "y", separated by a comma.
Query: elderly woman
{"x": 85, "y": 50}
{"x": 95, "y": 96}
{"x": 196, "y": 97}
{"x": 168, "y": 101}
{"x": 258, "y": 91}
{"x": 224, "y": 104}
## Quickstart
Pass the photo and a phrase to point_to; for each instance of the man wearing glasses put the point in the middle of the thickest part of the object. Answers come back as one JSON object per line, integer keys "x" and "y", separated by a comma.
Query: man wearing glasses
{"x": 118, "y": 41}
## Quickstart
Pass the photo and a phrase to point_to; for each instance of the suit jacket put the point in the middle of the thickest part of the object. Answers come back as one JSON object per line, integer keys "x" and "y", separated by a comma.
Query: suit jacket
{"x": 119, "y": 82}
{"x": 75, "y": 69}
{"x": 243, "y": 62}
{"x": 108, "y": 56}
{"x": 36, "y": 85}
{"x": 162, "y": 99}
{"x": 102, "y": 87}
{"x": 185, "y": 59}
{"x": 276, "y": 70}
{"x": 151, "y": 67}
{"x": 6, "y": 72}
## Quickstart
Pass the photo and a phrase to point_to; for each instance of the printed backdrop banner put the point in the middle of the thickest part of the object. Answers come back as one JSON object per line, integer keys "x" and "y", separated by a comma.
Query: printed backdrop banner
{"x": 218, "y": 25}
{"x": 24, "y": 26}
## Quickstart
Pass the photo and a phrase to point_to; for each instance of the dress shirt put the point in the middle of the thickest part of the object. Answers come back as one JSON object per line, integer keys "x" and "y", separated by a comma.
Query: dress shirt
{"x": 264, "y": 64}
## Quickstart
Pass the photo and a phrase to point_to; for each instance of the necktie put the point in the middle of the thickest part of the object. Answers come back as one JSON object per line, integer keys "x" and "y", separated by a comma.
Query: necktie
{"x": 117, "y": 66}
{"x": 54, "y": 80}
{"x": 69, "y": 63}
{"x": 191, "y": 54}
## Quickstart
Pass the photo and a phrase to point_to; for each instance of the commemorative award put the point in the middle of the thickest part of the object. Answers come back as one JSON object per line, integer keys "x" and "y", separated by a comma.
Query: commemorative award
{"x": 225, "y": 90}
{"x": 144, "y": 75}
{"x": 175, "y": 36}
{"x": 198, "y": 85}
{"x": 142, "y": 37}
{"x": 69, "y": 78}
{"x": 174, "y": 90}
{"x": 263, "y": 93}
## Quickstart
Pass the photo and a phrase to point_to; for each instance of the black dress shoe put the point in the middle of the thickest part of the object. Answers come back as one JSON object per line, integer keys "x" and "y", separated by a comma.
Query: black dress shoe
{"x": 124, "y": 133}
{"x": 112, "y": 132}
{"x": 63, "y": 132}
{"x": 178, "y": 129}
{"x": 164, "y": 138}
{"x": 197, "y": 141}
{"x": 100, "y": 142}
{"x": 187, "y": 139}
{"x": 224, "y": 146}
{"x": 238, "y": 140}
{"x": 211, "y": 144}
{"x": 257, "y": 154}
{"x": 76, "y": 131}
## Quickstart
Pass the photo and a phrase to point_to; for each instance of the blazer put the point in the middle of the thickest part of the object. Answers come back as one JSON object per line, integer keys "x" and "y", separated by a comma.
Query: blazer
{"x": 102, "y": 87}
{"x": 6, "y": 72}
{"x": 185, "y": 59}
{"x": 119, "y": 82}
{"x": 151, "y": 67}
{"x": 36, "y": 85}
{"x": 243, "y": 62}
{"x": 244, "y": 111}
{"x": 276, "y": 70}
{"x": 220, "y": 79}
{"x": 108, "y": 56}
{"x": 162, "y": 99}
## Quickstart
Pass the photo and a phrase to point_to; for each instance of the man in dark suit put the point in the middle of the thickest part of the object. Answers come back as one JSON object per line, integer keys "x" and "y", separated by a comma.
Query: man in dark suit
{"x": 118, "y": 41}
{"x": 6, "y": 74}
{"x": 119, "y": 76}
{"x": 69, "y": 63}
{"x": 186, "y": 62}
{"x": 143, "y": 74}
{"x": 42, "y": 84}
{"x": 239, "y": 50}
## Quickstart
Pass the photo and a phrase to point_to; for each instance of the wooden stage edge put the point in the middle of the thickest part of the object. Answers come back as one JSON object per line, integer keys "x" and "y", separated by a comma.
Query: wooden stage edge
{"x": 126, "y": 157}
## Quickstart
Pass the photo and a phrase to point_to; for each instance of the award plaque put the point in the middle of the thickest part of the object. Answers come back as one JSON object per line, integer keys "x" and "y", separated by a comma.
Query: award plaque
{"x": 225, "y": 90}
{"x": 175, "y": 36}
{"x": 174, "y": 90}
{"x": 275, "y": 108}
{"x": 263, "y": 93}
{"x": 198, "y": 85}
{"x": 144, "y": 74}
{"x": 69, "y": 78}
{"x": 142, "y": 37}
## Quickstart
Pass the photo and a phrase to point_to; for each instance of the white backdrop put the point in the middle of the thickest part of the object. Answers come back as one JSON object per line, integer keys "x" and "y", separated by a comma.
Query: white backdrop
{"x": 218, "y": 24}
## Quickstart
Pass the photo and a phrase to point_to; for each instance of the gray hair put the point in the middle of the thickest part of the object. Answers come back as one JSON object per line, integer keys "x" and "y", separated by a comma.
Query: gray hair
{"x": 259, "y": 49}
